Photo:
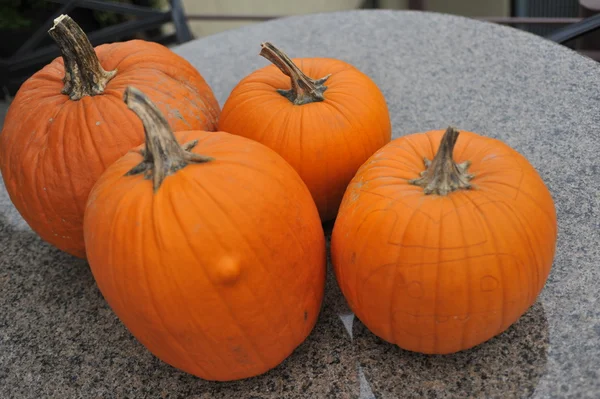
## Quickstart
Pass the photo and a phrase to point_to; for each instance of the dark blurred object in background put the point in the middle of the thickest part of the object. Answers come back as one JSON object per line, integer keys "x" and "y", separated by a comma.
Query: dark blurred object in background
{"x": 25, "y": 46}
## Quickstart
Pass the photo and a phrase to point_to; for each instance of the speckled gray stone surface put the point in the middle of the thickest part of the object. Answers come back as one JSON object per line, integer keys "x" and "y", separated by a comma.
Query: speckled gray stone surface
{"x": 58, "y": 338}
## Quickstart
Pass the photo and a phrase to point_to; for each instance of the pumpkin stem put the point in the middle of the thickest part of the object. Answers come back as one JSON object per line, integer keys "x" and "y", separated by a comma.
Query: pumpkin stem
{"x": 84, "y": 76}
{"x": 163, "y": 155}
{"x": 304, "y": 89}
{"x": 443, "y": 175}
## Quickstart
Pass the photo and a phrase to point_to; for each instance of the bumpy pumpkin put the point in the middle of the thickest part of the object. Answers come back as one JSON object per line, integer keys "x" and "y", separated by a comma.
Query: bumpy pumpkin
{"x": 212, "y": 254}
{"x": 325, "y": 128}
{"x": 439, "y": 256}
{"x": 68, "y": 122}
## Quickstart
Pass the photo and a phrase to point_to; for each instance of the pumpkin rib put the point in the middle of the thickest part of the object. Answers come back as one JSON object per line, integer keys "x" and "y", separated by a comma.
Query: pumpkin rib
{"x": 526, "y": 229}
{"x": 158, "y": 237}
{"x": 502, "y": 273}
{"x": 534, "y": 277}
{"x": 358, "y": 99}
{"x": 65, "y": 169}
{"x": 338, "y": 111}
{"x": 110, "y": 252}
{"x": 259, "y": 261}
{"x": 232, "y": 313}
{"x": 469, "y": 271}
{"x": 396, "y": 271}
{"x": 267, "y": 125}
{"x": 483, "y": 217}
{"x": 266, "y": 271}
{"x": 158, "y": 313}
{"x": 519, "y": 192}
{"x": 196, "y": 322}
{"x": 39, "y": 157}
{"x": 436, "y": 291}
{"x": 290, "y": 229}
{"x": 87, "y": 131}
{"x": 225, "y": 303}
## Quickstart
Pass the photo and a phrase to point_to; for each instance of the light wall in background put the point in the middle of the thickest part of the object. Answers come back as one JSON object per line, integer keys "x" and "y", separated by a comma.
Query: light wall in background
{"x": 256, "y": 7}
{"x": 471, "y": 8}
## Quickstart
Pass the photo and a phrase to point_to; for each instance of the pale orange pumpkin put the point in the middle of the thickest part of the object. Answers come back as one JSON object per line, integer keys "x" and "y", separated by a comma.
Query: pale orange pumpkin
{"x": 68, "y": 122}
{"x": 323, "y": 115}
{"x": 212, "y": 254}
{"x": 439, "y": 256}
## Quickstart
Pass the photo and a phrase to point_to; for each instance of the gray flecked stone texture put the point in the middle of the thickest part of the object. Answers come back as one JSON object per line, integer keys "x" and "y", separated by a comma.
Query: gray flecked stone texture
{"x": 58, "y": 338}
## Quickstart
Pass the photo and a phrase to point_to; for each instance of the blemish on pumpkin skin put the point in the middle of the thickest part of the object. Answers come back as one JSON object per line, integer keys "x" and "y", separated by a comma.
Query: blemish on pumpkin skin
{"x": 489, "y": 283}
{"x": 177, "y": 114}
{"x": 228, "y": 270}
{"x": 305, "y": 315}
{"x": 415, "y": 290}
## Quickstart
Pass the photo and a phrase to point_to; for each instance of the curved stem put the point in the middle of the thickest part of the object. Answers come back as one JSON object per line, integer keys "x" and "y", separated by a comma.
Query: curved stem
{"x": 163, "y": 155}
{"x": 84, "y": 76}
{"x": 304, "y": 89}
{"x": 443, "y": 175}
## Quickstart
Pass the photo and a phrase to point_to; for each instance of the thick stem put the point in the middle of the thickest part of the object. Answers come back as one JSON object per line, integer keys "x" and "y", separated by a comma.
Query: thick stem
{"x": 304, "y": 89}
{"x": 163, "y": 155}
{"x": 443, "y": 175}
{"x": 84, "y": 76}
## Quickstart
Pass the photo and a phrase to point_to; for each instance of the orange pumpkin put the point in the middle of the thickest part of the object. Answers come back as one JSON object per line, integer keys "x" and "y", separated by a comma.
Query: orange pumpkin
{"x": 215, "y": 262}
{"x": 325, "y": 128}
{"x": 67, "y": 124}
{"x": 439, "y": 256}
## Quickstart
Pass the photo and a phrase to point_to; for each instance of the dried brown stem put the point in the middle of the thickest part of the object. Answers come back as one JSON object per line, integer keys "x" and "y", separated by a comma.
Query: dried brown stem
{"x": 304, "y": 89}
{"x": 84, "y": 76}
{"x": 163, "y": 155}
{"x": 443, "y": 175}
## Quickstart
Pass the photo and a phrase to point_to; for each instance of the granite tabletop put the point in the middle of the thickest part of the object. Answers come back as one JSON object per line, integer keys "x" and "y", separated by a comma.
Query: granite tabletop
{"x": 59, "y": 339}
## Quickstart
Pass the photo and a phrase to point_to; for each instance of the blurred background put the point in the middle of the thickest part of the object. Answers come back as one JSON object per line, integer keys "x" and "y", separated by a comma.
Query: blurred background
{"x": 25, "y": 46}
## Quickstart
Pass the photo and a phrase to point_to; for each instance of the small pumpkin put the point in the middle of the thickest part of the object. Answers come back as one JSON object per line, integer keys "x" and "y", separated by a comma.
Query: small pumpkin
{"x": 323, "y": 115}
{"x": 211, "y": 253}
{"x": 68, "y": 122}
{"x": 439, "y": 256}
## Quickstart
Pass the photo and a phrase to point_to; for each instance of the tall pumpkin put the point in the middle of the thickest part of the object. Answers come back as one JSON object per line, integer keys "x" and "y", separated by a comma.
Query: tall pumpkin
{"x": 324, "y": 116}
{"x": 68, "y": 122}
{"x": 212, "y": 254}
{"x": 439, "y": 256}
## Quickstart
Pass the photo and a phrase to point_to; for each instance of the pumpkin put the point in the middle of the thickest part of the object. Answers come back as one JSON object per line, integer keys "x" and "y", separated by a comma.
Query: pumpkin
{"x": 439, "y": 256}
{"x": 68, "y": 122}
{"x": 208, "y": 247}
{"x": 324, "y": 116}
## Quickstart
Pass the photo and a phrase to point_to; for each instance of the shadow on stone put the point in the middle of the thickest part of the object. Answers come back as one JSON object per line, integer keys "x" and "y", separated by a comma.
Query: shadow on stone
{"x": 509, "y": 365}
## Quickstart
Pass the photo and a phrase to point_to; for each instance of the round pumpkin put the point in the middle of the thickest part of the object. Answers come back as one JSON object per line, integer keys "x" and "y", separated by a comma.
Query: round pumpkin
{"x": 68, "y": 122}
{"x": 439, "y": 256}
{"x": 324, "y": 116}
{"x": 212, "y": 254}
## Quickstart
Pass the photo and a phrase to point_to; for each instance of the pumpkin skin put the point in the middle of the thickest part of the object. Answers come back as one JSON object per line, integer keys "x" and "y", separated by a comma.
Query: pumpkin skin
{"x": 220, "y": 271}
{"x": 325, "y": 141}
{"x": 442, "y": 273}
{"x": 53, "y": 149}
